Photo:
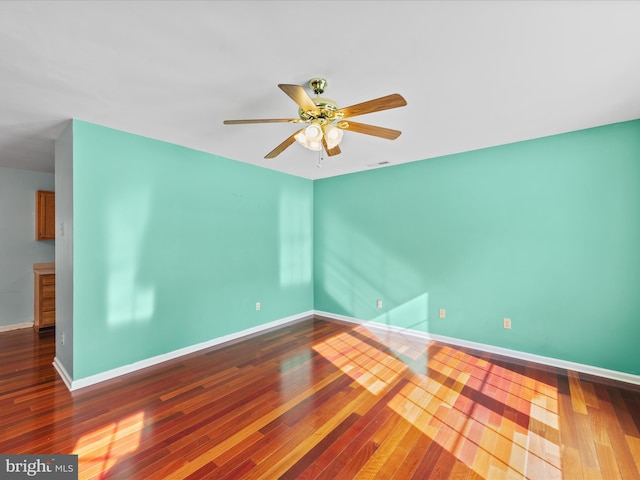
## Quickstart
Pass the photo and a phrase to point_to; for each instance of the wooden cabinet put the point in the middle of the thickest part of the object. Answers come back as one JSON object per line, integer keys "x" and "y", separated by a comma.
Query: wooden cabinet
{"x": 44, "y": 295}
{"x": 45, "y": 215}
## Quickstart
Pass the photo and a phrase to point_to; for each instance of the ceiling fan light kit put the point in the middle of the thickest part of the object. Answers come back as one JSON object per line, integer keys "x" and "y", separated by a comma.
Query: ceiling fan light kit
{"x": 325, "y": 120}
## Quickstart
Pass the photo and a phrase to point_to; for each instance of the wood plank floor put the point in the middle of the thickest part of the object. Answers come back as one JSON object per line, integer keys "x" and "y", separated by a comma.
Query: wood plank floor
{"x": 322, "y": 400}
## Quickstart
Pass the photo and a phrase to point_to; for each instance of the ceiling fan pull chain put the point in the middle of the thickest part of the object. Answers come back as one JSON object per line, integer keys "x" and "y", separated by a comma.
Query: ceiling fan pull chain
{"x": 320, "y": 158}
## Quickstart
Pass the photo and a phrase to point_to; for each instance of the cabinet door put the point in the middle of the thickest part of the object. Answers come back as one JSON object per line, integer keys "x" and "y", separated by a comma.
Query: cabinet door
{"x": 45, "y": 215}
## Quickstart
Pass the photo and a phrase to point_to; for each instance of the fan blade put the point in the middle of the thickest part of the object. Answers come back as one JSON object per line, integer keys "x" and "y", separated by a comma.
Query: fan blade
{"x": 298, "y": 94}
{"x": 394, "y": 100}
{"x": 260, "y": 120}
{"x": 382, "y": 132}
{"x": 331, "y": 151}
{"x": 283, "y": 146}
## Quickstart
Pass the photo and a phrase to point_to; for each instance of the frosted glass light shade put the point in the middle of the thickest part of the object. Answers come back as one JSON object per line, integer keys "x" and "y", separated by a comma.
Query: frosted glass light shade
{"x": 333, "y": 135}
{"x": 313, "y": 133}
{"x": 302, "y": 139}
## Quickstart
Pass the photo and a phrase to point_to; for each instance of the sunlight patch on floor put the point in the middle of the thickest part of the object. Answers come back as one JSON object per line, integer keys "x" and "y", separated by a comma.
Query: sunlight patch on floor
{"x": 498, "y": 422}
{"x": 374, "y": 370}
{"x": 103, "y": 447}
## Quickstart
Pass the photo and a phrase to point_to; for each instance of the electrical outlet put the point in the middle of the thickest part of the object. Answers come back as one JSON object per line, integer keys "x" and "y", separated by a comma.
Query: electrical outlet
{"x": 443, "y": 313}
{"x": 506, "y": 323}
{"x": 258, "y": 306}
{"x": 378, "y": 303}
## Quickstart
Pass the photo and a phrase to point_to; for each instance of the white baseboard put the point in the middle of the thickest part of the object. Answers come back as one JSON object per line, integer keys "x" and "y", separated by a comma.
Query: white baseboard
{"x": 382, "y": 328}
{"x": 148, "y": 362}
{"x": 66, "y": 378}
{"x": 529, "y": 357}
{"x": 15, "y": 326}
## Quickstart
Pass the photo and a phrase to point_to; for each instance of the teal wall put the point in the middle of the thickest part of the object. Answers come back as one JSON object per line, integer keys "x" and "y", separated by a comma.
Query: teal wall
{"x": 545, "y": 232}
{"x": 173, "y": 247}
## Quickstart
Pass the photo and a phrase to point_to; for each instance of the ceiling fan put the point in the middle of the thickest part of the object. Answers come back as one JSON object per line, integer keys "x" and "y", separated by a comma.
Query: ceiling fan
{"x": 325, "y": 121}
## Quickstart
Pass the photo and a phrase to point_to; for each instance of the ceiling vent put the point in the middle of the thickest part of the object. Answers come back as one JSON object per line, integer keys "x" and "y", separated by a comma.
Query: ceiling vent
{"x": 379, "y": 164}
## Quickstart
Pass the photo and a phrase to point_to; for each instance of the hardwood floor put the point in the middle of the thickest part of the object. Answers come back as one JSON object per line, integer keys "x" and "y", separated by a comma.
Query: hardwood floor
{"x": 322, "y": 400}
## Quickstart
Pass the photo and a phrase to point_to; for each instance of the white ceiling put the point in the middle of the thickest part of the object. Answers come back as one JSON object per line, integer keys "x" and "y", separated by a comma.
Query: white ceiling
{"x": 475, "y": 74}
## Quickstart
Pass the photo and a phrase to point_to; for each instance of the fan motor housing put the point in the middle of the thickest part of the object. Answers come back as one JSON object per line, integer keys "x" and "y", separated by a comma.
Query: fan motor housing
{"x": 327, "y": 109}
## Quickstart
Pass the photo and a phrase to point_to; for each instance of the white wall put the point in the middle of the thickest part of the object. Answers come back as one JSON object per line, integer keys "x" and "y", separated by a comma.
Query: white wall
{"x": 19, "y": 249}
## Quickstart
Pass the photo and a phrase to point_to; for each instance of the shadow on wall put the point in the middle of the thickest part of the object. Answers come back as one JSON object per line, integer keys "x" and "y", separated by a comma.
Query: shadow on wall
{"x": 378, "y": 290}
